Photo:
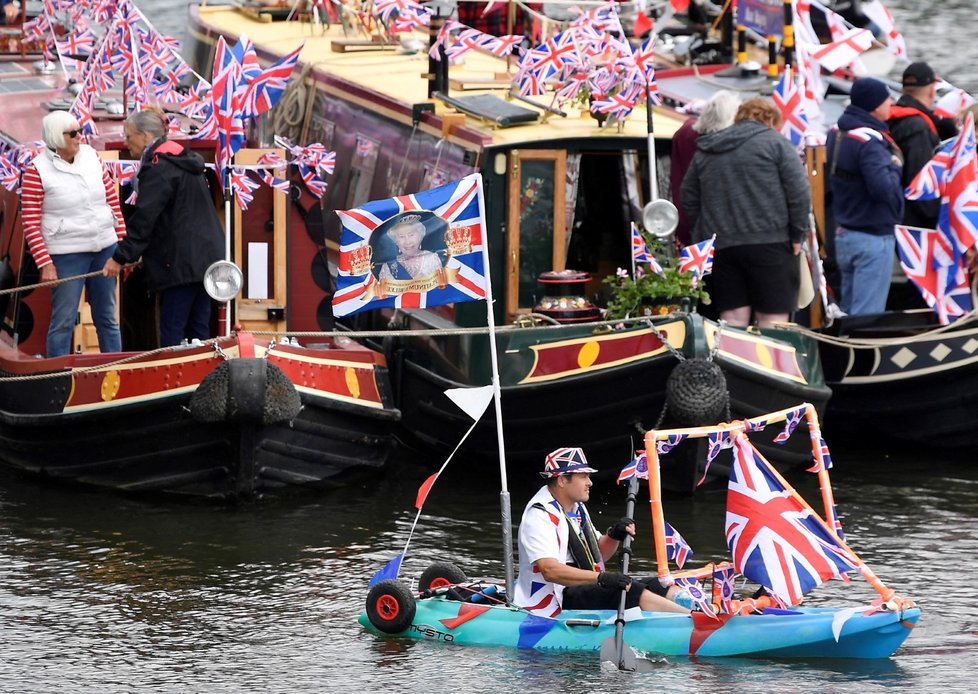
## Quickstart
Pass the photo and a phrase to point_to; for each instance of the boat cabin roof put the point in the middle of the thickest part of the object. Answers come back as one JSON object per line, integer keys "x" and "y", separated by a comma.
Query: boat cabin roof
{"x": 390, "y": 79}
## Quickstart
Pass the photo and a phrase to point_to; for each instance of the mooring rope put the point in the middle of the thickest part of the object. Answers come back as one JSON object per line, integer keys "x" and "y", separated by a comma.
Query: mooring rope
{"x": 881, "y": 341}
{"x": 50, "y": 283}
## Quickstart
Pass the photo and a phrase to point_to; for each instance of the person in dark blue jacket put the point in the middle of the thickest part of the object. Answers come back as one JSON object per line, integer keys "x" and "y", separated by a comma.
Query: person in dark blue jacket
{"x": 865, "y": 166}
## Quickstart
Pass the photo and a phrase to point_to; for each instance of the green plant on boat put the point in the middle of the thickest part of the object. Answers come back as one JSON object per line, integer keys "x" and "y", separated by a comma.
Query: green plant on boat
{"x": 650, "y": 293}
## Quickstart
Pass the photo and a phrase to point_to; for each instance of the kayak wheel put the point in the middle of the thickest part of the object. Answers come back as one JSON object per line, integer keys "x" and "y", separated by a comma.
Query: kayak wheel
{"x": 439, "y": 575}
{"x": 390, "y": 606}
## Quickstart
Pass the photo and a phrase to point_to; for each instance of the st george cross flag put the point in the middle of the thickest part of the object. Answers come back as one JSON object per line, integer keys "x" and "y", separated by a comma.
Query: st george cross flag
{"x": 774, "y": 538}
{"x": 413, "y": 251}
{"x": 677, "y": 549}
{"x": 698, "y": 258}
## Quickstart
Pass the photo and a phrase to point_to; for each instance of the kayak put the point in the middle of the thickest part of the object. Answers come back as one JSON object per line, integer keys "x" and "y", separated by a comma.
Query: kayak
{"x": 801, "y": 632}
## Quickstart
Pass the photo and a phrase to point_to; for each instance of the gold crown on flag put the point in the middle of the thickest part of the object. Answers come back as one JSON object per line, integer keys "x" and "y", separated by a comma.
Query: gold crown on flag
{"x": 458, "y": 240}
{"x": 360, "y": 259}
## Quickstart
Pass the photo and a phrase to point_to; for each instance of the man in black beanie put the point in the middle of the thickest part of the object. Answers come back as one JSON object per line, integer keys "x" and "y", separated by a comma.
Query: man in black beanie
{"x": 865, "y": 165}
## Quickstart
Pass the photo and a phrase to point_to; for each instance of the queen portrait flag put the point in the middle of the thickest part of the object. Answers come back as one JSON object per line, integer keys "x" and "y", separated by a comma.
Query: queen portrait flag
{"x": 413, "y": 251}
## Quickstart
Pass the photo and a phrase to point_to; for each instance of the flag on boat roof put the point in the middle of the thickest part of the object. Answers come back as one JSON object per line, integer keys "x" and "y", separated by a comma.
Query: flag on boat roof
{"x": 774, "y": 538}
{"x": 413, "y": 251}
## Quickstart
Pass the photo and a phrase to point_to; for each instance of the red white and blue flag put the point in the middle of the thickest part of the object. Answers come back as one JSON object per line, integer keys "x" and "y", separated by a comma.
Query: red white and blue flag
{"x": 641, "y": 252}
{"x": 723, "y": 587}
{"x": 698, "y": 258}
{"x": 774, "y": 538}
{"x": 928, "y": 259}
{"x": 638, "y": 467}
{"x": 677, "y": 549}
{"x": 788, "y": 98}
{"x": 454, "y": 219}
{"x": 790, "y": 423}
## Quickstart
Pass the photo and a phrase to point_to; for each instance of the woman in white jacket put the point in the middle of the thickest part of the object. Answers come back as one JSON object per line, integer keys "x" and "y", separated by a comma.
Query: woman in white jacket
{"x": 72, "y": 224}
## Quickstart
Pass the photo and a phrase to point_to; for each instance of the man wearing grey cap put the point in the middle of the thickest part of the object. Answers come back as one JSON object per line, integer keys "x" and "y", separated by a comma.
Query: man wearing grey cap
{"x": 918, "y": 132}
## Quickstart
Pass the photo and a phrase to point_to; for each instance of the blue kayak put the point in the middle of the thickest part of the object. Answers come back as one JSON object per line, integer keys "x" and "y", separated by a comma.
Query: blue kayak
{"x": 863, "y": 632}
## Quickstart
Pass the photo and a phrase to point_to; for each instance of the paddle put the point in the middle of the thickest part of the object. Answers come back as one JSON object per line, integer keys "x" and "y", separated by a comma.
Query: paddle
{"x": 614, "y": 649}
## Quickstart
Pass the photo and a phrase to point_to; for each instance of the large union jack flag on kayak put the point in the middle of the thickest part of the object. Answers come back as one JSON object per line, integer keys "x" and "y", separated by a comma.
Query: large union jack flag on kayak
{"x": 773, "y": 537}
{"x": 371, "y": 271}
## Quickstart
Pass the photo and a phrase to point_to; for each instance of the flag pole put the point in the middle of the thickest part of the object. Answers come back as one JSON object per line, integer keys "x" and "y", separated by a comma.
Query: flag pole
{"x": 228, "y": 194}
{"x": 505, "y": 504}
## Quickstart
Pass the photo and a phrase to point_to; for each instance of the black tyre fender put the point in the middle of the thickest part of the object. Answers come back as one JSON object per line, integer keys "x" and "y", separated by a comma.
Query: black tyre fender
{"x": 439, "y": 575}
{"x": 390, "y": 606}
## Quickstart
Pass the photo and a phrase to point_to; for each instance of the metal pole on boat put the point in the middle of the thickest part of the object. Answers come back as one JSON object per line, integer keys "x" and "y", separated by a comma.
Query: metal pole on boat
{"x": 226, "y": 176}
{"x": 505, "y": 504}
{"x": 653, "y": 179}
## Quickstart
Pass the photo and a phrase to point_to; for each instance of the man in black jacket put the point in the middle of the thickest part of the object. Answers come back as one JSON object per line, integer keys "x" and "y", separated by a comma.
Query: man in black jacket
{"x": 174, "y": 227}
{"x": 918, "y": 133}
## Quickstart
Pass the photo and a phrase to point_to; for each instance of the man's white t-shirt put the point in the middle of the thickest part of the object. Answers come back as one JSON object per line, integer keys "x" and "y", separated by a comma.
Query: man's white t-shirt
{"x": 543, "y": 533}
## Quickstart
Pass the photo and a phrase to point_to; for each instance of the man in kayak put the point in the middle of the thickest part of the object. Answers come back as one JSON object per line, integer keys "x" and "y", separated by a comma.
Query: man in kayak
{"x": 562, "y": 556}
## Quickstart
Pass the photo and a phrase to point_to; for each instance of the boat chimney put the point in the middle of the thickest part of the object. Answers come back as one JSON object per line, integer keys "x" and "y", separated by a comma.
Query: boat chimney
{"x": 437, "y": 69}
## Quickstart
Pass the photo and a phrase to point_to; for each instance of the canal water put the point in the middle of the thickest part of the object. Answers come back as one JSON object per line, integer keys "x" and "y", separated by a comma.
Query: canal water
{"x": 111, "y": 594}
{"x": 102, "y": 593}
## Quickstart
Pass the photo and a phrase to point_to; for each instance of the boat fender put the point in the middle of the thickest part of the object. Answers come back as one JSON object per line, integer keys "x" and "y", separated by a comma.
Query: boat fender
{"x": 245, "y": 390}
{"x": 696, "y": 393}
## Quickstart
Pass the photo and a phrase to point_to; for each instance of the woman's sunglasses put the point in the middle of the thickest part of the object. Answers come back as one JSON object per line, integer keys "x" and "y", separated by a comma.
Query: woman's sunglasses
{"x": 72, "y": 133}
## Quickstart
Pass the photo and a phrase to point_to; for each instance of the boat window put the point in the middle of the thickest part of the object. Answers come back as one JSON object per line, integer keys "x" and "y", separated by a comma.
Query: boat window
{"x": 362, "y": 171}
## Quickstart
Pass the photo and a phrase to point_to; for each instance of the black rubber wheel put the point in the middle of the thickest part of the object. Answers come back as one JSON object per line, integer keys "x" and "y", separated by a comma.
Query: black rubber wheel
{"x": 439, "y": 575}
{"x": 390, "y": 606}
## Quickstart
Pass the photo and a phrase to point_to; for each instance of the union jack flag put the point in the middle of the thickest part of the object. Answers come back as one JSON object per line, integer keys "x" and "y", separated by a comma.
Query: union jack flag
{"x": 775, "y": 540}
{"x": 314, "y": 183}
{"x": 790, "y": 423}
{"x": 958, "y": 217}
{"x": 929, "y": 183}
{"x": 638, "y": 467}
{"x": 457, "y": 207}
{"x": 640, "y": 250}
{"x": 677, "y": 549}
{"x": 927, "y": 258}
{"x": 266, "y": 88}
{"x": 698, "y": 258}
{"x": 788, "y": 98}
{"x": 717, "y": 441}
{"x": 243, "y": 186}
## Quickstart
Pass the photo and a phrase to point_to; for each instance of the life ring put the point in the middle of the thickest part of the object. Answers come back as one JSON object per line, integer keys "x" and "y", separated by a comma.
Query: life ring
{"x": 440, "y": 575}
{"x": 390, "y": 606}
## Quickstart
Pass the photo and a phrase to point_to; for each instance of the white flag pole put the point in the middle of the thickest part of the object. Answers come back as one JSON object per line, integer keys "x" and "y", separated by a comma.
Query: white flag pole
{"x": 504, "y": 500}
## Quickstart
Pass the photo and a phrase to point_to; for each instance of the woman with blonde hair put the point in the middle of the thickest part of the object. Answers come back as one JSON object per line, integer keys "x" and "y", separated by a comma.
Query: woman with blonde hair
{"x": 72, "y": 223}
{"x": 747, "y": 185}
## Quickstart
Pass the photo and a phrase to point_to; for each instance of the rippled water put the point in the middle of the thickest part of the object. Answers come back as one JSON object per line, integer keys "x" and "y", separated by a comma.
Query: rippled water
{"x": 100, "y": 593}
{"x": 113, "y": 594}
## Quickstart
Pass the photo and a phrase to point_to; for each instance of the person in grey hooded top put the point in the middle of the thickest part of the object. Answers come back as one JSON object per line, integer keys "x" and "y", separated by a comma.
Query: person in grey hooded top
{"x": 747, "y": 185}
